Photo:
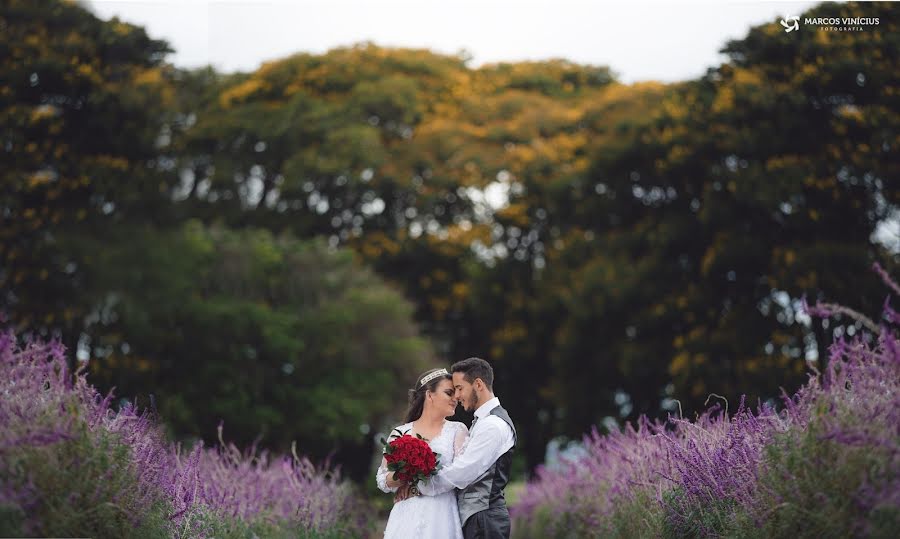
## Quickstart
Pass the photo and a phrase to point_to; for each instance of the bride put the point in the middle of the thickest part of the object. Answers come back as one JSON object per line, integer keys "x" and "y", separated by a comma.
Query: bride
{"x": 435, "y": 517}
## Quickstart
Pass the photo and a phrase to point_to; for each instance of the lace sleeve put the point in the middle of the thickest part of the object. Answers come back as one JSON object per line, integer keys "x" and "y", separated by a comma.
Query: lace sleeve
{"x": 382, "y": 474}
{"x": 381, "y": 478}
{"x": 459, "y": 441}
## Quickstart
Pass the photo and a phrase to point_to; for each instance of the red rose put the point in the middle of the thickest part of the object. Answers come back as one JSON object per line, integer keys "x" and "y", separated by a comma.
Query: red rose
{"x": 418, "y": 460}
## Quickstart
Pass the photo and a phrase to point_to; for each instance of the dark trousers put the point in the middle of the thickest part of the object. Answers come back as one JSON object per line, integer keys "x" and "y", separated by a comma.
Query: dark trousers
{"x": 492, "y": 523}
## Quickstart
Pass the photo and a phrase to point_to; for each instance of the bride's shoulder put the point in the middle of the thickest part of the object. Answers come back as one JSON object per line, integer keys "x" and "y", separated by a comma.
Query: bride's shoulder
{"x": 457, "y": 425}
{"x": 400, "y": 429}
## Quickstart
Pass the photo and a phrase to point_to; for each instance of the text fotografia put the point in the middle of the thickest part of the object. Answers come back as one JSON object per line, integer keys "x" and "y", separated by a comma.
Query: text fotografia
{"x": 842, "y": 24}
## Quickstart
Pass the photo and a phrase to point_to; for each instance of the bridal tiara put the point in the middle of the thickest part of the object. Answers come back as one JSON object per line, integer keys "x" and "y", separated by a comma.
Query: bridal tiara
{"x": 431, "y": 376}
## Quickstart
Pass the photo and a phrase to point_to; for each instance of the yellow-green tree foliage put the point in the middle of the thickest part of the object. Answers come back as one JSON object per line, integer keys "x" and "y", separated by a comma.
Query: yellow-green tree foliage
{"x": 608, "y": 247}
{"x": 651, "y": 241}
{"x": 82, "y": 104}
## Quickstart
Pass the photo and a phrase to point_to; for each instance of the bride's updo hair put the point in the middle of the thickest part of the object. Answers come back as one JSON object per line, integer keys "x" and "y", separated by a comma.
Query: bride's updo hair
{"x": 427, "y": 381}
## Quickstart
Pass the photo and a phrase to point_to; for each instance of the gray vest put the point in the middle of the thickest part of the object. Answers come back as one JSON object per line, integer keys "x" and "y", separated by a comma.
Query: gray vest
{"x": 487, "y": 491}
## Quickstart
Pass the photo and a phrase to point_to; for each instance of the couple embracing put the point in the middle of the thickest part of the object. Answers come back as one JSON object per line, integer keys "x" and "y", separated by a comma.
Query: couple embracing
{"x": 465, "y": 498}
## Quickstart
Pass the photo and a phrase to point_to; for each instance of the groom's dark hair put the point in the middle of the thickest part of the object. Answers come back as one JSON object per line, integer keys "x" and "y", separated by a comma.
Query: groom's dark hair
{"x": 475, "y": 367}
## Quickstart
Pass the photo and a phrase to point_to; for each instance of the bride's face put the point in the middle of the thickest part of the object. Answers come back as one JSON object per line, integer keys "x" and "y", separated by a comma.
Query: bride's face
{"x": 443, "y": 398}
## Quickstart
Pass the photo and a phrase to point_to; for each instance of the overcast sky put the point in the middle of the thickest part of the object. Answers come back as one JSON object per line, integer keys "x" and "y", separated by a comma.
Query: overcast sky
{"x": 664, "y": 41}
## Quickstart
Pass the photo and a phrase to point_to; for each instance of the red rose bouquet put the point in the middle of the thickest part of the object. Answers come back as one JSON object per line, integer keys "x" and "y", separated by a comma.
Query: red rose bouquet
{"x": 410, "y": 458}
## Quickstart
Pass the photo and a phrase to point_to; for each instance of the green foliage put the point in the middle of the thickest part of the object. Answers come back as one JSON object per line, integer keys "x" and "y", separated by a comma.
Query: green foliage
{"x": 232, "y": 528}
{"x": 650, "y": 236}
{"x": 84, "y": 487}
{"x": 273, "y": 326}
{"x": 640, "y": 518}
{"x": 816, "y": 502}
{"x": 12, "y": 519}
{"x": 545, "y": 524}
{"x": 82, "y": 102}
{"x": 717, "y": 519}
{"x": 681, "y": 254}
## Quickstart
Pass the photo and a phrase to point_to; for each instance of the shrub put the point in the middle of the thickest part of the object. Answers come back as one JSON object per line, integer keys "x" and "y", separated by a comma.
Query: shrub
{"x": 826, "y": 465}
{"x": 72, "y": 466}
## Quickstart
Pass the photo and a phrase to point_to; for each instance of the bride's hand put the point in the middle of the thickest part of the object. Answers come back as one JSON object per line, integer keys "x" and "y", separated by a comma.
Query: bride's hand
{"x": 403, "y": 493}
{"x": 394, "y": 483}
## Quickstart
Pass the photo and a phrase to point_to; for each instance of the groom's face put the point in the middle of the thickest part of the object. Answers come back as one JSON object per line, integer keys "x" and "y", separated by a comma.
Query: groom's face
{"x": 465, "y": 392}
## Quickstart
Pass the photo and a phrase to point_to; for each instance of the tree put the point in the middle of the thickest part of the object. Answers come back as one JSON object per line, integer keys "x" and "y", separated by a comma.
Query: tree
{"x": 82, "y": 103}
{"x": 725, "y": 208}
{"x": 609, "y": 247}
{"x": 282, "y": 338}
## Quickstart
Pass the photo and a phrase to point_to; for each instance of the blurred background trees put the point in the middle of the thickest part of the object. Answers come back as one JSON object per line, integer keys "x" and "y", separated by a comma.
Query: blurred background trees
{"x": 610, "y": 248}
{"x": 83, "y": 103}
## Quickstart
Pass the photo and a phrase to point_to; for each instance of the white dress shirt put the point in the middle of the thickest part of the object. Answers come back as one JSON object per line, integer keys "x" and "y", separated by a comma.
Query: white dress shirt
{"x": 489, "y": 438}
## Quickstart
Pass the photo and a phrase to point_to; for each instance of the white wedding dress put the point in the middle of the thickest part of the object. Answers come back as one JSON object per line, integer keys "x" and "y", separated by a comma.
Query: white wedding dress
{"x": 427, "y": 517}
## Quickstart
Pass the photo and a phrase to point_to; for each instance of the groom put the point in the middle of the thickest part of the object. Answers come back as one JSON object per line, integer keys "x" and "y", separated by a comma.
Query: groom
{"x": 481, "y": 472}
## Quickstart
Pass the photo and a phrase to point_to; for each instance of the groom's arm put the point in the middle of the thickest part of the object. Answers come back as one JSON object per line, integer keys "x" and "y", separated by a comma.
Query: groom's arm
{"x": 479, "y": 455}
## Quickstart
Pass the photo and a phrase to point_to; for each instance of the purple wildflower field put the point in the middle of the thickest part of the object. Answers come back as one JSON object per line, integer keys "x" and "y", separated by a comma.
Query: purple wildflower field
{"x": 70, "y": 465}
{"x": 824, "y": 464}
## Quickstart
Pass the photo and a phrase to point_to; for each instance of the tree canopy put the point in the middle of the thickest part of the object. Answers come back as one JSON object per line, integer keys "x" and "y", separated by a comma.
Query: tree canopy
{"x": 610, "y": 248}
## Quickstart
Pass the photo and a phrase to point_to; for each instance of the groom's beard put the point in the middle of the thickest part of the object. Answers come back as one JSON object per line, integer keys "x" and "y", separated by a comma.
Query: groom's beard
{"x": 474, "y": 402}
